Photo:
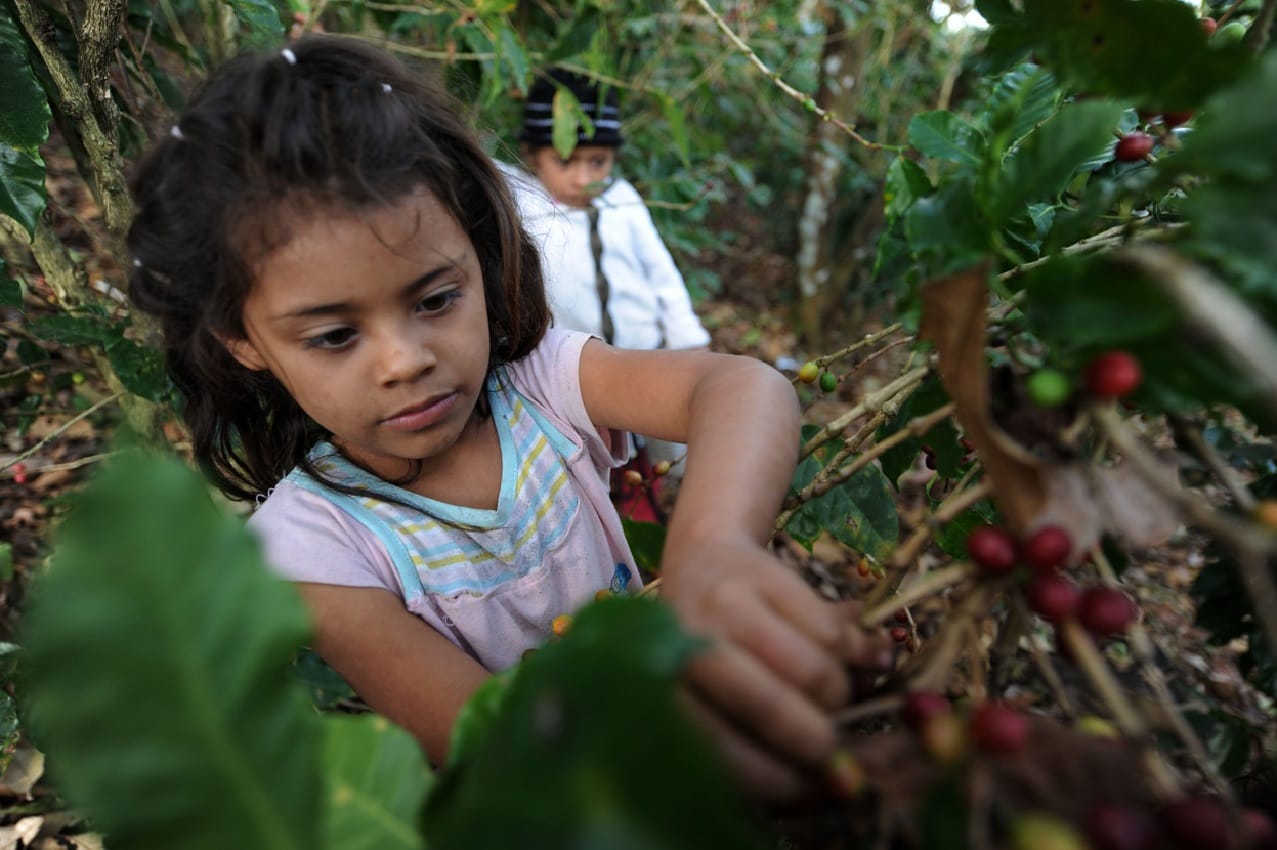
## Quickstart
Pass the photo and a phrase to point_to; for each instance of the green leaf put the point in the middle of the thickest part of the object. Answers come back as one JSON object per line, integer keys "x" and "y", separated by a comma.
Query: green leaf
{"x": 1041, "y": 167}
{"x": 928, "y": 397}
{"x": 1021, "y": 100}
{"x": 24, "y": 120}
{"x": 952, "y": 537}
{"x": 1235, "y": 225}
{"x": 565, "y": 764}
{"x": 75, "y": 329}
{"x": 10, "y": 290}
{"x": 139, "y": 368}
{"x": 1081, "y": 305}
{"x": 261, "y": 20}
{"x": 860, "y": 512}
{"x": 568, "y": 118}
{"x": 906, "y": 182}
{"x": 943, "y": 135}
{"x": 376, "y": 780}
{"x": 948, "y": 223}
{"x": 325, "y": 686}
{"x": 1231, "y": 138}
{"x": 22, "y": 192}
{"x": 157, "y": 677}
{"x": 477, "y": 717}
{"x": 997, "y": 12}
{"x": 578, "y": 37}
{"x": 647, "y": 541}
{"x": 1107, "y": 48}
{"x": 6, "y": 562}
{"x": 512, "y": 55}
{"x": 676, "y": 118}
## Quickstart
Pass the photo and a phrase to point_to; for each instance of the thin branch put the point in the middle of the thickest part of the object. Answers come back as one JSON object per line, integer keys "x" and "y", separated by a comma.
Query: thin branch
{"x": 872, "y": 402}
{"x": 1191, "y": 435}
{"x": 61, "y": 429}
{"x": 803, "y": 98}
{"x": 1257, "y": 35}
{"x": 929, "y": 585}
{"x": 1252, "y": 542}
{"x": 867, "y": 341}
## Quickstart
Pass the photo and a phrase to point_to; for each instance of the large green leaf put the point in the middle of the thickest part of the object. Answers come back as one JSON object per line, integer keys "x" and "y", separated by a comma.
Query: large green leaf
{"x": 1153, "y": 52}
{"x": 377, "y": 778}
{"x": 1021, "y": 99}
{"x": 1041, "y": 167}
{"x": 22, "y": 192}
{"x": 578, "y": 36}
{"x": 1235, "y": 225}
{"x": 950, "y": 225}
{"x": 1232, "y": 137}
{"x": 590, "y": 750}
{"x": 24, "y": 118}
{"x": 10, "y": 290}
{"x": 139, "y": 368}
{"x": 860, "y": 512}
{"x": 157, "y": 676}
{"x": 262, "y": 24}
{"x": 943, "y": 135}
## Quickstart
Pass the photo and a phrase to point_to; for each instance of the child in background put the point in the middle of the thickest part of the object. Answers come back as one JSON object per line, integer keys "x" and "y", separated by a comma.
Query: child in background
{"x": 607, "y": 269}
{"x": 358, "y": 327}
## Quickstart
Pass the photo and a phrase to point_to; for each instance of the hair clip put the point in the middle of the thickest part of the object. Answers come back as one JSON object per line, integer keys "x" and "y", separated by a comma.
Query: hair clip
{"x": 137, "y": 264}
{"x": 289, "y": 56}
{"x": 176, "y": 132}
{"x": 385, "y": 87}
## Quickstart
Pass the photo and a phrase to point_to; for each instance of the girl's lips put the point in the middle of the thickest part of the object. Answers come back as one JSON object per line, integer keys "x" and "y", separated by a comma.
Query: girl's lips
{"x": 417, "y": 418}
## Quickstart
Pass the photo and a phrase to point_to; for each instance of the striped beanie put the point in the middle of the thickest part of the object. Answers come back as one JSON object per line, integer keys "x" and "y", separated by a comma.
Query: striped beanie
{"x": 538, "y": 110}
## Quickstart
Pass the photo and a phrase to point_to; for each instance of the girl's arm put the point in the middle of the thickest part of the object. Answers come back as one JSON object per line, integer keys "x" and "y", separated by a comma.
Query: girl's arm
{"x": 403, "y": 669}
{"x": 777, "y": 666}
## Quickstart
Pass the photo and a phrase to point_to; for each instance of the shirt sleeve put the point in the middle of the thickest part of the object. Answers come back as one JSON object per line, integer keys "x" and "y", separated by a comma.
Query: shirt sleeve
{"x": 306, "y": 538}
{"x": 683, "y": 328}
{"x": 551, "y": 378}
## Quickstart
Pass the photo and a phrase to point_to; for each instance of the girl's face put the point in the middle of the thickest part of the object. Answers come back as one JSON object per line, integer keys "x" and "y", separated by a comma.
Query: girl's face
{"x": 376, "y": 324}
{"x": 579, "y": 178}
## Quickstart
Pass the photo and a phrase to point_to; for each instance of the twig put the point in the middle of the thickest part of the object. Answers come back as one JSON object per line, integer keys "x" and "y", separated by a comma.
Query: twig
{"x": 1192, "y": 435}
{"x": 1215, "y": 311}
{"x": 1250, "y": 541}
{"x": 61, "y": 429}
{"x": 935, "y": 665}
{"x": 872, "y": 402}
{"x": 1142, "y": 646}
{"x": 1257, "y": 35}
{"x": 1087, "y": 657}
{"x": 953, "y": 505}
{"x": 1224, "y": 18}
{"x": 929, "y": 585}
{"x": 868, "y": 340}
{"x": 833, "y": 475}
{"x": 885, "y": 704}
{"x": 807, "y": 102}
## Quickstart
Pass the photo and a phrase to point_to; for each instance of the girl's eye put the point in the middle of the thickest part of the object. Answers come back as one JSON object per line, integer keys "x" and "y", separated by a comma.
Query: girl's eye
{"x": 438, "y": 302}
{"x": 332, "y": 340}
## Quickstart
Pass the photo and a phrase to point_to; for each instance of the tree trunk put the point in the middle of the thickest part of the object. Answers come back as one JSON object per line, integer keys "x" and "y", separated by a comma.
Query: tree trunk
{"x": 841, "y": 59}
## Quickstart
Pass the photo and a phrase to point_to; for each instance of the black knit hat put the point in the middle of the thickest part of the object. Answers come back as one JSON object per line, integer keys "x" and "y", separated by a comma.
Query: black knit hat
{"x": 538, "y": 111}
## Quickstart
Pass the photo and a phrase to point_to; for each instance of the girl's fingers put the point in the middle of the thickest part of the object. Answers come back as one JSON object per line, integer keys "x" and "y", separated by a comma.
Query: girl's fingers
{"x": 762, "y": 774}
{"x": 738, "y": 614}
{"x": 762, "y": 704}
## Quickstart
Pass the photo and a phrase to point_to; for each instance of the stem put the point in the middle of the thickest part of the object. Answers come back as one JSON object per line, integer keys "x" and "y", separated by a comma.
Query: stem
{"x": 1257, "y": 35}
{"x": 868, "y": 340}
{"x": 1249, "y": 540}
{"x": 872, "y": 402}
{"x": 1192, "y": 436}
{"x": 61, "y": 429}
{"x": 930, "y": 584}
{"x": 785, "y": 87}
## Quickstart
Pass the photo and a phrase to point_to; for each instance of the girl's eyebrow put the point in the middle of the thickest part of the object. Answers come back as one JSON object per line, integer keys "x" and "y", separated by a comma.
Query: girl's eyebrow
{"x": 345, "y": 306}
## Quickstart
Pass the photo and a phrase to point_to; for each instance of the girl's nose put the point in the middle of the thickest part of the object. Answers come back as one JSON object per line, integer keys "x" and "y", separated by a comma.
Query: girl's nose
{"x": 404, "y": 357}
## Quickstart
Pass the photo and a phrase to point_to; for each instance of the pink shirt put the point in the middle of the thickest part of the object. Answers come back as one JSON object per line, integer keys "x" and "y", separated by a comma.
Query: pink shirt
{"x": 491, "y": 581}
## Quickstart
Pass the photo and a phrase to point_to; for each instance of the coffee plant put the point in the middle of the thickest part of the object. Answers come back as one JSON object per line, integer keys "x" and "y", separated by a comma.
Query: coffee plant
{"x": 1081, "y": 263}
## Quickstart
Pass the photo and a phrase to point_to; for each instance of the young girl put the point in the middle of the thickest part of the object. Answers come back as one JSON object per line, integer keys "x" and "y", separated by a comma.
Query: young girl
{"x": 358, "y": 327}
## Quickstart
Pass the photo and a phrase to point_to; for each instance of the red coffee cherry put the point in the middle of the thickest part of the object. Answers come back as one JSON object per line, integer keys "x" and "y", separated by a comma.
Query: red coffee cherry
{"x": 1111, "y": 826}
{"x": 1133, "y": 147}
{"x": 920, "y": 706}
{"x": 1175, "y": 119}
{"x": 899, "y": 634}
{"x": 1261, "y": 833}
{"x": 998, "y": 728}
{"x": 992, "y": 548}
{"x": 1054, "y": 598}
{"x": 1047, "y": 548}
{"x": 1196, "y": 823}
{"x": 1106, "y": 611}
{"x": 1209, "y": 25}
{"x": 1113, "y": 374}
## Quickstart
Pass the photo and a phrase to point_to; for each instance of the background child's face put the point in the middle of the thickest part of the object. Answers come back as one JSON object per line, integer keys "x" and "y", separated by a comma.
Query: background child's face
{"x": 577, "y": 179}
{"x": 375, "y": 322}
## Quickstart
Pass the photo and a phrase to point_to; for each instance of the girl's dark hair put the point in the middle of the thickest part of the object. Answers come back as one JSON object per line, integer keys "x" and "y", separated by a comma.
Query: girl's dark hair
{"x": 329, "y": 122}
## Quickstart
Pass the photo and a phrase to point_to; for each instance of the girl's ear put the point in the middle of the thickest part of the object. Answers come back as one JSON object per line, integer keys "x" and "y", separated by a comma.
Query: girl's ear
{"x": 244, "y": 352}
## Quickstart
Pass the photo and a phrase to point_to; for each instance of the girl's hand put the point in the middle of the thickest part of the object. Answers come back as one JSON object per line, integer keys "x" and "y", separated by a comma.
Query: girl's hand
{"x": 776, "y": 669}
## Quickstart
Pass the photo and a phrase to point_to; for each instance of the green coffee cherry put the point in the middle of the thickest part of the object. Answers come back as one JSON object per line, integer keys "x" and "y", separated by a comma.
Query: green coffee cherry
{"x": 1049, "y": 388}
{"x": 828, "y": 381}
{"x": 809, "y": 373}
